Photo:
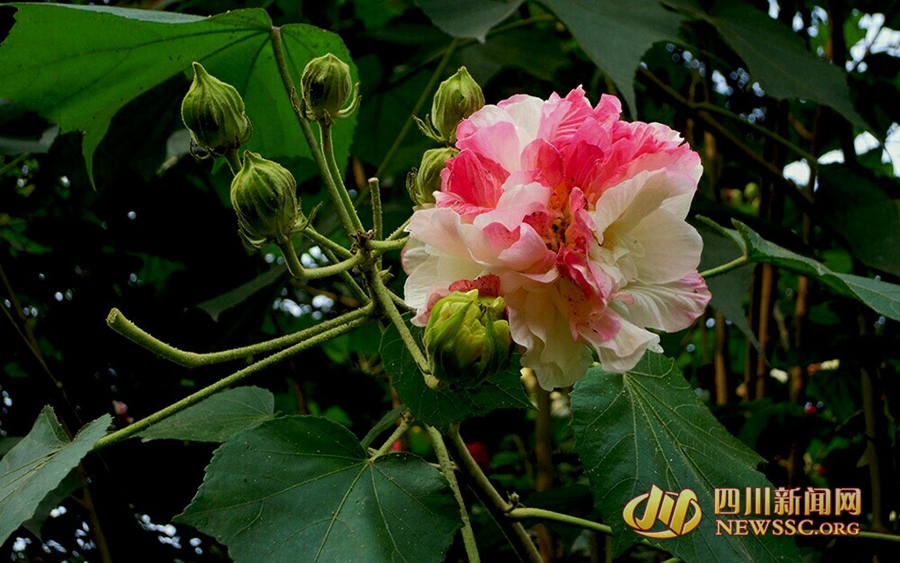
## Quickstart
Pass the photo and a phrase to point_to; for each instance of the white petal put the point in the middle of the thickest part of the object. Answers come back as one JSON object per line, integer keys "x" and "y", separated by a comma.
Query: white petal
{"x": 670, "y": 307}
{"x": 543, "y": 329}
{"x": 623, "y": 352}
{"x": 671, "y": 248}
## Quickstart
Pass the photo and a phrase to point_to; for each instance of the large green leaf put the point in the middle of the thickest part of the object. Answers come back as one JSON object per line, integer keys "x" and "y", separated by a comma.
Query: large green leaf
{"x": 646, "y": 427}
{"x": 778, "y": 59}
{"x": 38, "y": 463}
{"x": 440, "y": 408}
{"x": 882, "y": 297}
{"x": 301, "y": 488}
{"x": 79, "y": 65}
{"x": 468, "y": 18}
{"x": 218, "y": 417}
{"x": 615, "y": 34}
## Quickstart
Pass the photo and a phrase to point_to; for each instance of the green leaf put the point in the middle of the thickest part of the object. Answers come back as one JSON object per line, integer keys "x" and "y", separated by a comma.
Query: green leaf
{"x": 440, "y": 408}
{"x": 646, "y": 427}
{"x": 882, "y": 297}
{"x": 303, "y": 487}
{"x": 778, "y": 59}
{"x": 514, "y": 48}
{"x": 615, "y": 34}
{"x": 94, "y": 60}
{"x": 37, "y": 465}
{"x": 217, "y": 418}
{"x": 468, "y": 18}
{"x": 857, "y": 206}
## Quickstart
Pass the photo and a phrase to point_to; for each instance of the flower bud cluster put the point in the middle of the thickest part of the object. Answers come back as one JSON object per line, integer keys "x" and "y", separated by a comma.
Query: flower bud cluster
{"x": 467, "y": 338}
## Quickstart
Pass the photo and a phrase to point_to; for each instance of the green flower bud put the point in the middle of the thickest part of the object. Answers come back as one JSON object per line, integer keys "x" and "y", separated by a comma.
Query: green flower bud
{"x": 467, "y": 338}
{"x": 428, "y": 177}
{"x": 457, "y": 98}
{"x": 326, "y": 86}
{"x": 264, "y": 196}
{"x": 213, "y": 112}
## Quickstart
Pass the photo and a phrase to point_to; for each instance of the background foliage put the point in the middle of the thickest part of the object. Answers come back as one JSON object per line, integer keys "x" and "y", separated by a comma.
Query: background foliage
{"x": 796, "y": 356}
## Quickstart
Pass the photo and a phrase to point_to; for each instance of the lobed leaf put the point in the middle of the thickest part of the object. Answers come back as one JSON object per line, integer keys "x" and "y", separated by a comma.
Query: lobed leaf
{"x": 301, "y": 488}
{"x": 646, "y": 427}
{"x": 38, "y": 463}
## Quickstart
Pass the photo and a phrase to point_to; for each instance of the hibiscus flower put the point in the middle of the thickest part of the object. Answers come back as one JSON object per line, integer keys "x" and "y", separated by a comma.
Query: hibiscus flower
{"x": 577, "y": 219}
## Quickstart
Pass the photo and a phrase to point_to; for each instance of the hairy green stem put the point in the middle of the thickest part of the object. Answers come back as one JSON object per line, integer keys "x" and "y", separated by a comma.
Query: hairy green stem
{"x": 318, "y": 156}
{"x": 725, "y": 268}
{"x": 470, "y": 466}
{"x": 298, "y": 271}
{"x": 210, "y": 390}
{"x": 337, "y": 177}
{"x": 524, "y": 513}
{"x": 377, "y": 213}
{"x": 401, "y": 230}
{"x": 399, "y": 431}
{"x": 383, "y": 294}
{"x": 426, "y": 92}
{"x": 440, "y": 449}
{"x": 385, "y": 245}
{"x": 119, "y": 323}
{"x": 324, "y": 242}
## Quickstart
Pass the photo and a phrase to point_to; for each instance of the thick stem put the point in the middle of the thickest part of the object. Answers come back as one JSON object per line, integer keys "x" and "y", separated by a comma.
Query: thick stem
{"x": 119, "y": 323}
{"x": 398, "y": 432}
{"x": 440, "y": 449}
{"x": 387, "y": 304}
{"x": 210, "y": 390}
{"x": 384, "y": 245}
{"x": 377, "y": 213}
{"x": 337, "y": 177}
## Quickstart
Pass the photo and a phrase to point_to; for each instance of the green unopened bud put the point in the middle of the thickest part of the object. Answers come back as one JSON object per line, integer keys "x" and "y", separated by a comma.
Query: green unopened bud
{"x": 457, "y": 98}
{"x": 213, "y": 112}
{"x": 264, "y": 197}
{"x": 428, "y": 177}
{"x": 326, "y": 86}
{"x": 467, "y": 338}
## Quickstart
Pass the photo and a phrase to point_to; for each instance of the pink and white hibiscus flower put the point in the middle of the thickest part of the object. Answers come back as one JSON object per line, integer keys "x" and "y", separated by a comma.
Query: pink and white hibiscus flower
{"x": 575, "y": 218}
